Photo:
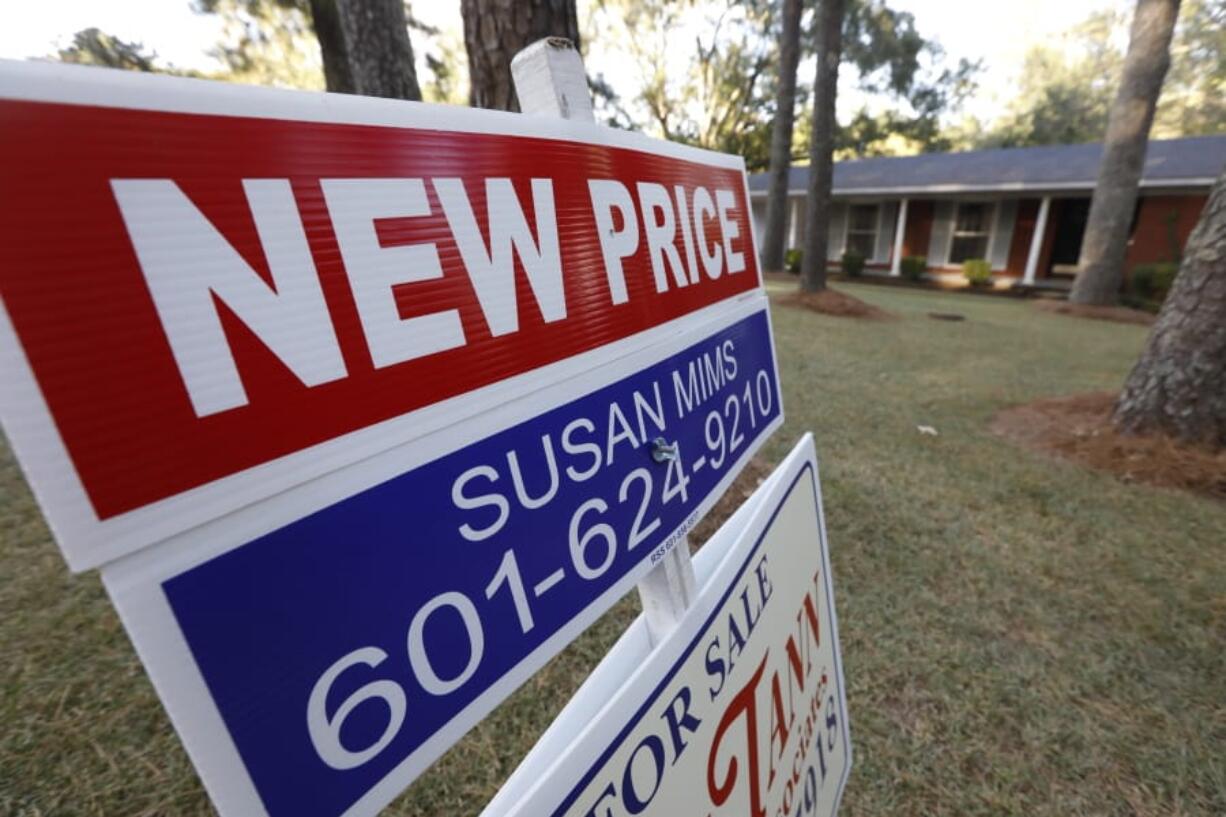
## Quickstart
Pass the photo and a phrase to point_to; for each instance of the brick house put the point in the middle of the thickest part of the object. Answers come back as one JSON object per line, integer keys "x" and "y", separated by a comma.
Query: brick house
{"x": 1022, "y": 209}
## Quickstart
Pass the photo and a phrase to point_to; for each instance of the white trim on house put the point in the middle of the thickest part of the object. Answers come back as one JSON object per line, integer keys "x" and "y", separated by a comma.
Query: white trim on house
{"x": 900, "y": 232}
{"x": 1008, "y": 187}
{"x": 1036, "y": 241}
{"x": 1000, "y": 239}
{"x": 989, "y": 218}
{"x": 1000, "y": 226}
{"x": 793, "y": 237}
{"x": 846, "y": 229}
{"x": 877, "y": 232}
{"x": 879, "y": 206}
{"x": 836, "y": 232}
{"x": 1001, "y": 223}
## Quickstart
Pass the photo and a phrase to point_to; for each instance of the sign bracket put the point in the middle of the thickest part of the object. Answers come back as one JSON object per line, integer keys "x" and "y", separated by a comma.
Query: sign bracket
{"x": 550, "y": 81}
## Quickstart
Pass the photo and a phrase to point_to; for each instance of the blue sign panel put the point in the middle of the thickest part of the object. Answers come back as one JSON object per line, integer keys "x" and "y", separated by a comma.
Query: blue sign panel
{"x": 336, "y": 646}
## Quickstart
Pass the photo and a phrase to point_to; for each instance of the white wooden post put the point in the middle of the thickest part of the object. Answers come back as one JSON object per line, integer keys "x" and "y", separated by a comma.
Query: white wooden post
{"x": 1036, "y": 242}
{"x": 900, "y": 231}
{"x": 550, "y": 81}
{"x": 794, "y": 207}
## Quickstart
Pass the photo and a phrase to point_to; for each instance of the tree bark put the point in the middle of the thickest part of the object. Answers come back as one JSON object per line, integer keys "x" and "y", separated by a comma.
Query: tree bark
{"x": 781, "y": 139}
{"x": 821, "y": 148}
{"x": 496, "y": 30}
{"x": 326, "y": 21}
{"x": 1115, "y": 196}
{"x": 376, "y": 36}
{"x": 1178, "y": 387}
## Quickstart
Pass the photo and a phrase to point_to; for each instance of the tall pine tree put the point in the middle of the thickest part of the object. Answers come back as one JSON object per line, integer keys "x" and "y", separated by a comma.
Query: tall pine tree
{"x": 496, "y": 30}
{"x": 380, "y": 55}
{"x": 781, "y": 138}
{"x": 1119, "y": 173}
{"x": 1178, "y": 386}
{"x": 821, "y": 146}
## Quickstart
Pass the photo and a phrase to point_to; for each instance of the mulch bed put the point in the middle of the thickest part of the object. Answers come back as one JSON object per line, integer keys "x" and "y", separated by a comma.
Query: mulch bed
{"x": 901, "y": 281}
{"x": 830, "y": 302}
{"x": 1079, "y": 428}
{"x": 1117, "y": 314}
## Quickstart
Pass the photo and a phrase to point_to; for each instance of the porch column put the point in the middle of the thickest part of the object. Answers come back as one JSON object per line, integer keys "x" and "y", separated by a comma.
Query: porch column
{"x": 794, "y": 210}
{"x": 1036, "y": 242}
{"x": 900, "y": 230}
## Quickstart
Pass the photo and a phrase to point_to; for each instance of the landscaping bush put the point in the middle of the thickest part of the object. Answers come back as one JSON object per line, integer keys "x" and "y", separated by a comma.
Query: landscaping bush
{"x": 913, "y": 267}
{"x": 977, "y": 272}
{"x": 791, "y": 261}
{"x": 853, "y": 263}
{"x": 1151, "y": 282}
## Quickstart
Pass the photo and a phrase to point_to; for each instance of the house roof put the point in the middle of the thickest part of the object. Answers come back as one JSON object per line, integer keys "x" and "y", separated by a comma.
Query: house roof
{"x": 1192, "y": 162}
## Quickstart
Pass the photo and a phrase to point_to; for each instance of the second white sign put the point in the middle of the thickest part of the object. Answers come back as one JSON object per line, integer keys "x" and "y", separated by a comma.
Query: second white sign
{"x": 741, "y": 711}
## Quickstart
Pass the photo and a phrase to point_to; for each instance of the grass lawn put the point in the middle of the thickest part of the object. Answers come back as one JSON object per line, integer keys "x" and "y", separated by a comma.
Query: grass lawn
{"x": 1021, "y": 636}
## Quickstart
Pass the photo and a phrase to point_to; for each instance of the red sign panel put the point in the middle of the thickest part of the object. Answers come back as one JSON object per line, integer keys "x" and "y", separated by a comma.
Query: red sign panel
{"x": 198, "y": 294}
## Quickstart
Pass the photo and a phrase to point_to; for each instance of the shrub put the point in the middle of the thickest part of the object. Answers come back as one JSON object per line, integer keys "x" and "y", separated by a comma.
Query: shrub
{"x": 913, "y": 267}
{"x": 791, "y": 261}
{"x": 1151, "y": 282}
{"x": 1143, "y": 304}
{"x": 977, "y": 271}
{"x": 853, "y": 263}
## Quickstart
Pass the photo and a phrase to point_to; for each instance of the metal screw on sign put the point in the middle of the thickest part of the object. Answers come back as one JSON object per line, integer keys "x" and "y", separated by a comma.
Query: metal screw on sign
{"x": 662, "y": 450}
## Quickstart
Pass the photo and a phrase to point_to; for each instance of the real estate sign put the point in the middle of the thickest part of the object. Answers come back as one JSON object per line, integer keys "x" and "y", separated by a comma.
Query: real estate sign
{"x": 742, "y": 711}
{"x": 356, "y": 400}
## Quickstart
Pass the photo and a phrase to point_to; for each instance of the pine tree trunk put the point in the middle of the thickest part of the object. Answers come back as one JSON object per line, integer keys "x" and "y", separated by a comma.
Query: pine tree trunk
{"x": 376, "y": 37}
{"x": 326, "y": 21}
{"x": 1115, "y": 196}
{"x": 821, "y": 149}
{"x": 781, "y": 139}
{"x": 496, "y": 30}
{"x": 1178, "y": 387}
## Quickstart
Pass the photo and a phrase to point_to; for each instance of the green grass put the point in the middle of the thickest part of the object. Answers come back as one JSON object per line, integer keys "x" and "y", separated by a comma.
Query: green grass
{"x": 1021, "y": 636}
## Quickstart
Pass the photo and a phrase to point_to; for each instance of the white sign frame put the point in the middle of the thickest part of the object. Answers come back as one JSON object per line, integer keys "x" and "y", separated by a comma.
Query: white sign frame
{"x": 632, "y": 668}
{"x": 134, "y": 583}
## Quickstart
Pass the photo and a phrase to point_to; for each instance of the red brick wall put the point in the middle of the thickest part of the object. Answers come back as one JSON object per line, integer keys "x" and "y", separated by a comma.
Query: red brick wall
{"x": 1043, "y": 270}
{"x": 915, "y": 238}
{"x": 919, "y": 228}
{"x": 1152, "y": 237}
{"x": 1023, "y": 229}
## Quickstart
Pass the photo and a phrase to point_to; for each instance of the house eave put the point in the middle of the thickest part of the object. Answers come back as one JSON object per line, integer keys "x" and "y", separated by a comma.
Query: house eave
{"x": 1010, "y": 187}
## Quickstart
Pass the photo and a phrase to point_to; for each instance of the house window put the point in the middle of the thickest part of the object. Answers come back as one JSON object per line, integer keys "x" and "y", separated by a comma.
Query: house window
{"x": 862, "y": 229}
{"x": 972, "y": 229}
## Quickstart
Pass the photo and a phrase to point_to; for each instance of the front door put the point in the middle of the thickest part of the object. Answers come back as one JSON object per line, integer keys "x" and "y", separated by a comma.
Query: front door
{"x": 1070, "y": 217}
